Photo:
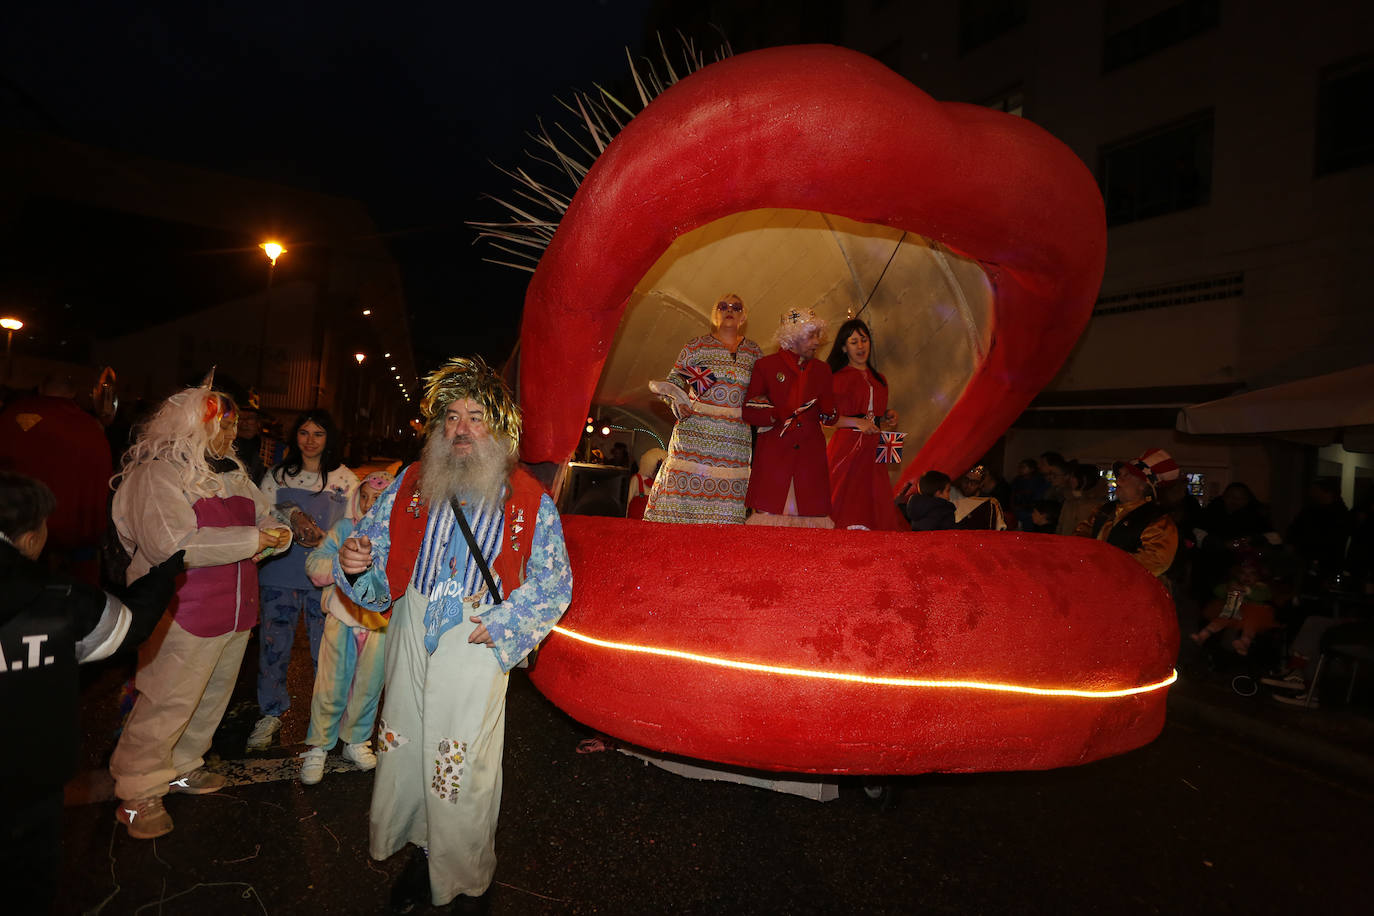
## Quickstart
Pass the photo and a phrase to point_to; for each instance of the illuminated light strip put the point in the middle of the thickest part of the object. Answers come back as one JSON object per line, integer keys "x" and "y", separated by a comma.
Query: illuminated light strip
{"x": 869, "y": 679}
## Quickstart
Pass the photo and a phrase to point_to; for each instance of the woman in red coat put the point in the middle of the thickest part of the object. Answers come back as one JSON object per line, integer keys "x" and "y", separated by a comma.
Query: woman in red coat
{"x": 860, "y": 491}
{"x": 788, "y": 399}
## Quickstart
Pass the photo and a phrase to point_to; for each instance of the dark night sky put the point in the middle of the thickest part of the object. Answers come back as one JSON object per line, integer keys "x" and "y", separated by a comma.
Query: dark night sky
{"x": 399, "y": 107}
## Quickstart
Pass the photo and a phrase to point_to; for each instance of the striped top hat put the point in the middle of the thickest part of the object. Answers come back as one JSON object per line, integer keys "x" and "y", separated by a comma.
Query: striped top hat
{"x": 1155, "y": 467}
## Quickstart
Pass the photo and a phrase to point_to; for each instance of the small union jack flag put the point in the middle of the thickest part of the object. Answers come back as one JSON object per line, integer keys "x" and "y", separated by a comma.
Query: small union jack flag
{"x": 890, "y": 448}
{"x": 700, "y": 379}
{"x": 795, "y": 414}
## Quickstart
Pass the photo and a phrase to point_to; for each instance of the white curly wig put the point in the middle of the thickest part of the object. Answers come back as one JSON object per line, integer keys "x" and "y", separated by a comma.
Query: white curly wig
{"x": 179, "y": 432}
{"x": 796, "y": 326}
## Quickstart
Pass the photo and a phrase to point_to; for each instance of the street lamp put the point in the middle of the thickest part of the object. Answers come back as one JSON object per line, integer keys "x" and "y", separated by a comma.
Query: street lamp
{"x": 10, "y": 325}
{"x": 273, "y": 250}
{"x": 360, "y": 357}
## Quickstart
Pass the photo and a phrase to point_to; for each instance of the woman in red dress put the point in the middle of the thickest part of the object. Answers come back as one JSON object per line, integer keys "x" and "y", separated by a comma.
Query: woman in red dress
{"x": 860, "y": 492}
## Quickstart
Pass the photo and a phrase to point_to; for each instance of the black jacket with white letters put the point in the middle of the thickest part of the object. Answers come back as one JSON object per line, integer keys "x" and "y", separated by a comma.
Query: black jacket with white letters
{"x": 48, "y": 625}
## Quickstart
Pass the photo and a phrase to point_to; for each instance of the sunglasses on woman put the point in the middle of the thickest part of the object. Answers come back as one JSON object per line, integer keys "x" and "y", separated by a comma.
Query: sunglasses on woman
{"x": 729, "y": 307}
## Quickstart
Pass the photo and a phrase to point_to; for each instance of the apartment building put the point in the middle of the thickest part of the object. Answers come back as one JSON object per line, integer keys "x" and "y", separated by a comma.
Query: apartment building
{"x": 1233, "y": 145}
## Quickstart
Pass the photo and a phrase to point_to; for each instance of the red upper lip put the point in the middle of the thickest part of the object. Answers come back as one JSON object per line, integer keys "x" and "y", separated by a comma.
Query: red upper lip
{"x": 826, "y": 129}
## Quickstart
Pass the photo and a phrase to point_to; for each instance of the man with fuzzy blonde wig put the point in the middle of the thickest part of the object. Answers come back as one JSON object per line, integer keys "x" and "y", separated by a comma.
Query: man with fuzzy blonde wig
{"x": 465, "y": 552}
{"x": 789, "y": 397}
{"x": 183, "y": 489}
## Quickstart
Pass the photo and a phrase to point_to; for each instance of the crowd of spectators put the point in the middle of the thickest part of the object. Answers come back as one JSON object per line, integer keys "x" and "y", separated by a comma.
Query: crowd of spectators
{"x": 1226, "y": 562}
{"x": 1293, "y": 591}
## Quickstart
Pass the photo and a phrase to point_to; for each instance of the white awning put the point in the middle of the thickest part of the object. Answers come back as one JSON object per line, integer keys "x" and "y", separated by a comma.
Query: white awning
{"x": 1338, "y": 401}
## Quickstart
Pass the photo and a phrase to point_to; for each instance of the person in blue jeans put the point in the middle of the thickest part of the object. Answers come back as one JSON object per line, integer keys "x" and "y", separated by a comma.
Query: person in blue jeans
{"x": 310, "y": 491}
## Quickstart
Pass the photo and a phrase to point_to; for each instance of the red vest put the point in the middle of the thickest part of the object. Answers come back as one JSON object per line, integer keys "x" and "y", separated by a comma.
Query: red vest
{"x": 410, "y": 515}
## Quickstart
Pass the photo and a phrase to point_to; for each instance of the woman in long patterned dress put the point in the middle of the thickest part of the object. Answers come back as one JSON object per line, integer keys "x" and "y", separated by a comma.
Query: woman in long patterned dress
{"x": 706, "y": 476}
{"x": 860, "y": 492}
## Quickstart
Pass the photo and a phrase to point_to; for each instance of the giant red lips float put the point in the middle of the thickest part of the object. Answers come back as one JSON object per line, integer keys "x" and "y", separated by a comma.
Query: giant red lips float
{"x": 843, "y": 651}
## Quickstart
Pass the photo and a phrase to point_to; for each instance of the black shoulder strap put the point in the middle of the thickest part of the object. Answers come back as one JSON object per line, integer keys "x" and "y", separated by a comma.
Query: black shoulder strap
{"x": 475, "y": 550}
{"x": 1101, "y": 515}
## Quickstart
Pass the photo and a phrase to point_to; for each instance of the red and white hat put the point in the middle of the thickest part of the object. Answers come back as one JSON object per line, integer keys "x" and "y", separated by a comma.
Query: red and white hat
{"x": 1155, "y": 467}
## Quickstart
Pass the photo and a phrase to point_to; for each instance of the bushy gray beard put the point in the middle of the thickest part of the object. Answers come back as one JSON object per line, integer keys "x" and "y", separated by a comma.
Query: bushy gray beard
{"x": 477, "y": 477}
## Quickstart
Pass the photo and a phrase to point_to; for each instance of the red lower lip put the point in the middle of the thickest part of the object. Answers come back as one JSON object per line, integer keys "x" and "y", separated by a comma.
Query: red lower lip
{"x": 963, "y": 625}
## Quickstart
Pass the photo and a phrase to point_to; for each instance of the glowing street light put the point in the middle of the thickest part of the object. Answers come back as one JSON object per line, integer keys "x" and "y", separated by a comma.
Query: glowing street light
{"x": 274, "y": 250}
{"x": 360, "y": 357}
{"x": 10, "y": 325}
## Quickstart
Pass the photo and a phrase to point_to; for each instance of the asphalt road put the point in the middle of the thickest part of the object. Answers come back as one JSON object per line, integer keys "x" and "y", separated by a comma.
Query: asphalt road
{"x": 1193, "y": 823}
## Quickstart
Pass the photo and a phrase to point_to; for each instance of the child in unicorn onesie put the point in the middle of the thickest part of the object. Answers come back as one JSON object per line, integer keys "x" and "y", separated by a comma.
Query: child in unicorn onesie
{"x": 348, "y": 682}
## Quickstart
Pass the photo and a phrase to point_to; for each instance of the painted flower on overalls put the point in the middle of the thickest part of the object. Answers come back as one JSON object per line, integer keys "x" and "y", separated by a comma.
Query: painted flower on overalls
{"x": 388, "y": 739}
{"x": 449, "y": 764}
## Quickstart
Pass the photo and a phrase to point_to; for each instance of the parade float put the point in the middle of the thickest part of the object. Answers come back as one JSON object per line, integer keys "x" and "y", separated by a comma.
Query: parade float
{"x": 791, "y": 175}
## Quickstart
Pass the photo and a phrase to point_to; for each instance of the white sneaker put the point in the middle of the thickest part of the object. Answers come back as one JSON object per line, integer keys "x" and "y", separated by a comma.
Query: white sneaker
{"x": 312, "y": 766}
{"x": 1290, "y": 681}
{"x": 360, "y": 755}
{"x": 260, "y": 738}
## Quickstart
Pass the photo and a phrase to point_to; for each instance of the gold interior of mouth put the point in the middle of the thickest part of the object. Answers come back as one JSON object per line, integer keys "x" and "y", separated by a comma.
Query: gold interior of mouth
{"x": 931, "y": 312}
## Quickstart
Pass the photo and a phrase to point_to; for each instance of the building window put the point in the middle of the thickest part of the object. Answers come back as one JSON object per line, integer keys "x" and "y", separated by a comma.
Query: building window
{"x": 1109, "y": 476}
{"x": 1197, "y": 485}
{"x": 1195, "y": 482}
{"x": 1167, "y": 27}
{"x": 1159, "y": 172}
{"x": 980, "y": 21}
{"x": 1013, "y": 101}
{"x": 1203, "y": 289}
{"x": 1345, "y": 131}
